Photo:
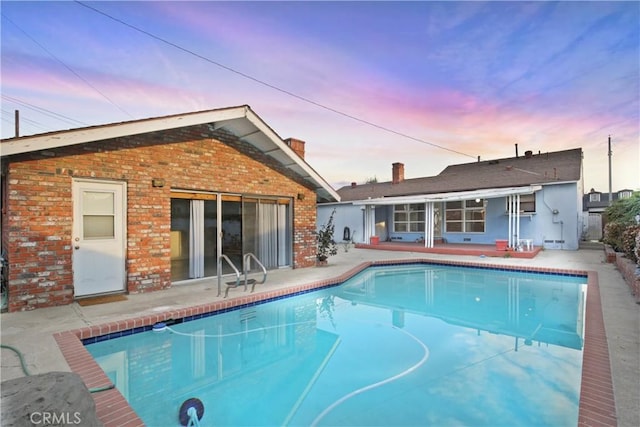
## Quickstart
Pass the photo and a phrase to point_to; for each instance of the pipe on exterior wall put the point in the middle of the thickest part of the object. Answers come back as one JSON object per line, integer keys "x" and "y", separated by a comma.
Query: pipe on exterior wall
{"x": 554, "y": 219}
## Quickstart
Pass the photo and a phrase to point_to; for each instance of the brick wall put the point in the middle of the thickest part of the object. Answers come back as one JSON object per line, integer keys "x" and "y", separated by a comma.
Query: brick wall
{"x": 38, "y": 222}
{"x": 628, "y": 269}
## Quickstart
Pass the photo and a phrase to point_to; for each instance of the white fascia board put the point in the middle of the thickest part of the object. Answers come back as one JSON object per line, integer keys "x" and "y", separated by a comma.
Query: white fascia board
{"x": 543, "y": 184}
{"x": 490, "y": 193}
{"x": 300, "y": 163}
{"x": 116, "y": 130}
{"x": 339, "y": 203}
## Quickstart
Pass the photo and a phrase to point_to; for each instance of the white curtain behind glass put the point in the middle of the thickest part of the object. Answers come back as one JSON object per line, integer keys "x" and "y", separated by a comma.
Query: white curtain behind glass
{"x": 196, "y": 239}
{"x": 283, "y": 236}
{"x": 268, "y": 233}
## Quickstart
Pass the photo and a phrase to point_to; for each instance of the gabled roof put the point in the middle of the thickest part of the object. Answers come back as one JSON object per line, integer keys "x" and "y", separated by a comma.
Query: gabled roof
{"x": 240, "y": 121}
{"x": 522, "y": 171}
{"x": 602, "y": 201}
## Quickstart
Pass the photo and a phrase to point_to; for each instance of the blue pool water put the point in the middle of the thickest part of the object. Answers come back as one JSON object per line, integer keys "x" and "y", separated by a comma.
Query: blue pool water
{"x": 393, "y": 346}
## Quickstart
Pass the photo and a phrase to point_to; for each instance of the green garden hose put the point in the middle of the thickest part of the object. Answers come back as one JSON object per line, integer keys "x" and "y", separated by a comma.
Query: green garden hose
{"x": 22, "y": 363}
{"x": 27, "y": 373}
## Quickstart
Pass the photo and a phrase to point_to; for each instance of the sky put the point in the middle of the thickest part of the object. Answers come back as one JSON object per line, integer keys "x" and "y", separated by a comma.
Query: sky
{"x": 365, "y": 84}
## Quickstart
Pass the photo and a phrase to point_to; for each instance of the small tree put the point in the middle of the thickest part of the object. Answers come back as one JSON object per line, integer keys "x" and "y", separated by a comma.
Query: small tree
{"x": 622, "y": 229}
{"x": 326, "y": 244}
{"x": 624, "y": 210}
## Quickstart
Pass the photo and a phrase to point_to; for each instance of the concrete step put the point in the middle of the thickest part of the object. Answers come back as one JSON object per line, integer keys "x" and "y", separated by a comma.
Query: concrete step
{"x": 584, "y": 244}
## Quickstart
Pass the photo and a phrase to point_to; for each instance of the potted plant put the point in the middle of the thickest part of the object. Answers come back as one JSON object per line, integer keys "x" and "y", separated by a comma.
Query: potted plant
{"x": 326, "y": 245}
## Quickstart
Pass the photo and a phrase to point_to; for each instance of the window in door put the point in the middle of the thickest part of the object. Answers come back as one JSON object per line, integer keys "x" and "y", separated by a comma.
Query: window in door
{"x": 98, "y": 215}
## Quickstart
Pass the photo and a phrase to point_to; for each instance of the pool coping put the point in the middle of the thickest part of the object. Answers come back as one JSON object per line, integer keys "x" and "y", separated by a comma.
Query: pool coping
{"x": 597, "y": 401}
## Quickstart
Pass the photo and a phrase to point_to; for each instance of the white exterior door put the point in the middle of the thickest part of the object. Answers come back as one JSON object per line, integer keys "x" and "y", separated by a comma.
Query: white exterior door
{"x": 98, "y": 237}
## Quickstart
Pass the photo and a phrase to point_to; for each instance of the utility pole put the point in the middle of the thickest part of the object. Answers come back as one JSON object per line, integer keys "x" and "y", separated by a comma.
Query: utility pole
{"x": 17, "y": 122}
{"x": 610, "y": 193}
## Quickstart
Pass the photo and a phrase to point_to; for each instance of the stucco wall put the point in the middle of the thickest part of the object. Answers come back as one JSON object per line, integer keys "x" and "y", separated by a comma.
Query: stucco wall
{"x": 39, "y": 216}
{"x": 346, "y": 215}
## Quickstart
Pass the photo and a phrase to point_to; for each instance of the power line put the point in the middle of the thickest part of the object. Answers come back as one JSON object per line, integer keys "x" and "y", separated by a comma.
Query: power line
{"x": 269, "y": 85}
{"x": 68, "y": 67}
{"x": 24, "y": 120}
{"x": 44, "y": 111}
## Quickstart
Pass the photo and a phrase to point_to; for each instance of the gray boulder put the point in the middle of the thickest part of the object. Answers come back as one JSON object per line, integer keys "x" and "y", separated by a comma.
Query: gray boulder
{"x": 51, "y": 399}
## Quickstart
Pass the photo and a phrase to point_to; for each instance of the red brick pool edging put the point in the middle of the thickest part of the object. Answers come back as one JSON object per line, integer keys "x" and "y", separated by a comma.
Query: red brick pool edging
{"x": 597, "y": 401}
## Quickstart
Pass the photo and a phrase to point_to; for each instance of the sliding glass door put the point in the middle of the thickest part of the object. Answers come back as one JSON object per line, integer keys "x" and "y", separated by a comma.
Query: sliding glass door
{"x": 232, "y": 232}
{"x": 180, "y": 226}
{"x": 194, "y": 243}
{"x": 267, "y": 231}
{"x": 261, "y": 226}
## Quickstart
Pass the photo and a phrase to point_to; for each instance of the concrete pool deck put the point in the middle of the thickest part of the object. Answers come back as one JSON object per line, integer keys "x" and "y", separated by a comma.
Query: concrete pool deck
{"x": 33, "y": 332}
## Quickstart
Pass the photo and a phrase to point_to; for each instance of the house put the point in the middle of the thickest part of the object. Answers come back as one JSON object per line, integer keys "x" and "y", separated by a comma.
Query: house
{"x": 597, "y": 201}
{"x": 594, "y": 204}
{"x": 141, "y": 205}
{"x": 532, "y": 199}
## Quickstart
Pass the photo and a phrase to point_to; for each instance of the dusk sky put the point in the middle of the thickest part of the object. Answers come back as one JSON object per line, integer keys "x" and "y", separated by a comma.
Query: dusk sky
{"x": 365, "y": 84}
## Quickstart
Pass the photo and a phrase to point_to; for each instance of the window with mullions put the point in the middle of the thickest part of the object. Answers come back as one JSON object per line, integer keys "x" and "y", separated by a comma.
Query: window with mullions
{"x": 408, "y": 218}
{"x": 625, "y": 194}
{"x": 465, "y": 216}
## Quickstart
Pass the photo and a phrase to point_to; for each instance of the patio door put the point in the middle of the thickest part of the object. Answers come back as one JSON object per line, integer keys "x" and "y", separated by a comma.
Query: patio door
{"x": 194, "y": 236}
{"x": 98, "y": 237}
{"x": 267, "y": 230}
{"x": 437, "y": 220}
{"x": 205, "y": 226}
{"x": 232, "y": 235}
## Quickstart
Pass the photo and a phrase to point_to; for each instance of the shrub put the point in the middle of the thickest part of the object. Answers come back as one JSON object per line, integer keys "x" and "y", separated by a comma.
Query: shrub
{"x": 613, "y": 235}
{"x": 629, "y": 238}
{"x": 638, "y": 248}
{"x": 326, "y": 244}
{"x": 621, "y": 229}
{"x": 624, "y": 210}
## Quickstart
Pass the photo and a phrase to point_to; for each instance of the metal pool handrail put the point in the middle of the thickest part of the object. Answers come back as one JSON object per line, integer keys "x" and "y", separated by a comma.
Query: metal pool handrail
{"x": 226, "y": 258}
{"x": 245, "y": 263}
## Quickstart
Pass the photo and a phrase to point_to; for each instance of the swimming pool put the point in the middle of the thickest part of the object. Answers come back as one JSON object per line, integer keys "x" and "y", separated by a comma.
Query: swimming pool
{"x": 402, "y": 345}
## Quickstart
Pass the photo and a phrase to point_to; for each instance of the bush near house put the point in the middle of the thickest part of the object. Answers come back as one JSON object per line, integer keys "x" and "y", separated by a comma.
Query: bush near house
{"x": 326, "y": 244}
{"x": 638, "y": 248}
{"x": 629, "y": 245}
{"x": 622, "y": 229}
{"x": 613, "y": 235}
{"x": 622, "y": 235}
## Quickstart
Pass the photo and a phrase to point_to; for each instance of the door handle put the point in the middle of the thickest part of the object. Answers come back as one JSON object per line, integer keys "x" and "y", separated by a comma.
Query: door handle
{"x": 76, "y": 247}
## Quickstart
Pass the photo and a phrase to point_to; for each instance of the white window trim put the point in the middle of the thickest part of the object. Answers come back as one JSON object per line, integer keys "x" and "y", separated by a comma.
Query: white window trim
{"x": 464, "y": 209}
{"x": 408, "y": 222}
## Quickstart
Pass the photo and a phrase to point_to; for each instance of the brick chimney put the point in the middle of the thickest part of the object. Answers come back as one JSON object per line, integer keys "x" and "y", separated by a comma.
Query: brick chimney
{"x": 296, "y": 145}
{"x": 398, "y": 173}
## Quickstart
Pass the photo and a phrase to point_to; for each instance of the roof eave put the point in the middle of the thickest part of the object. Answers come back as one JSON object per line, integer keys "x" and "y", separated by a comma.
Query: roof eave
{"x": 52, "y": 140}
{"x": 451, "y": 196}
{"x": 296, "y": 163}
{"x": 262, "y": 137}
